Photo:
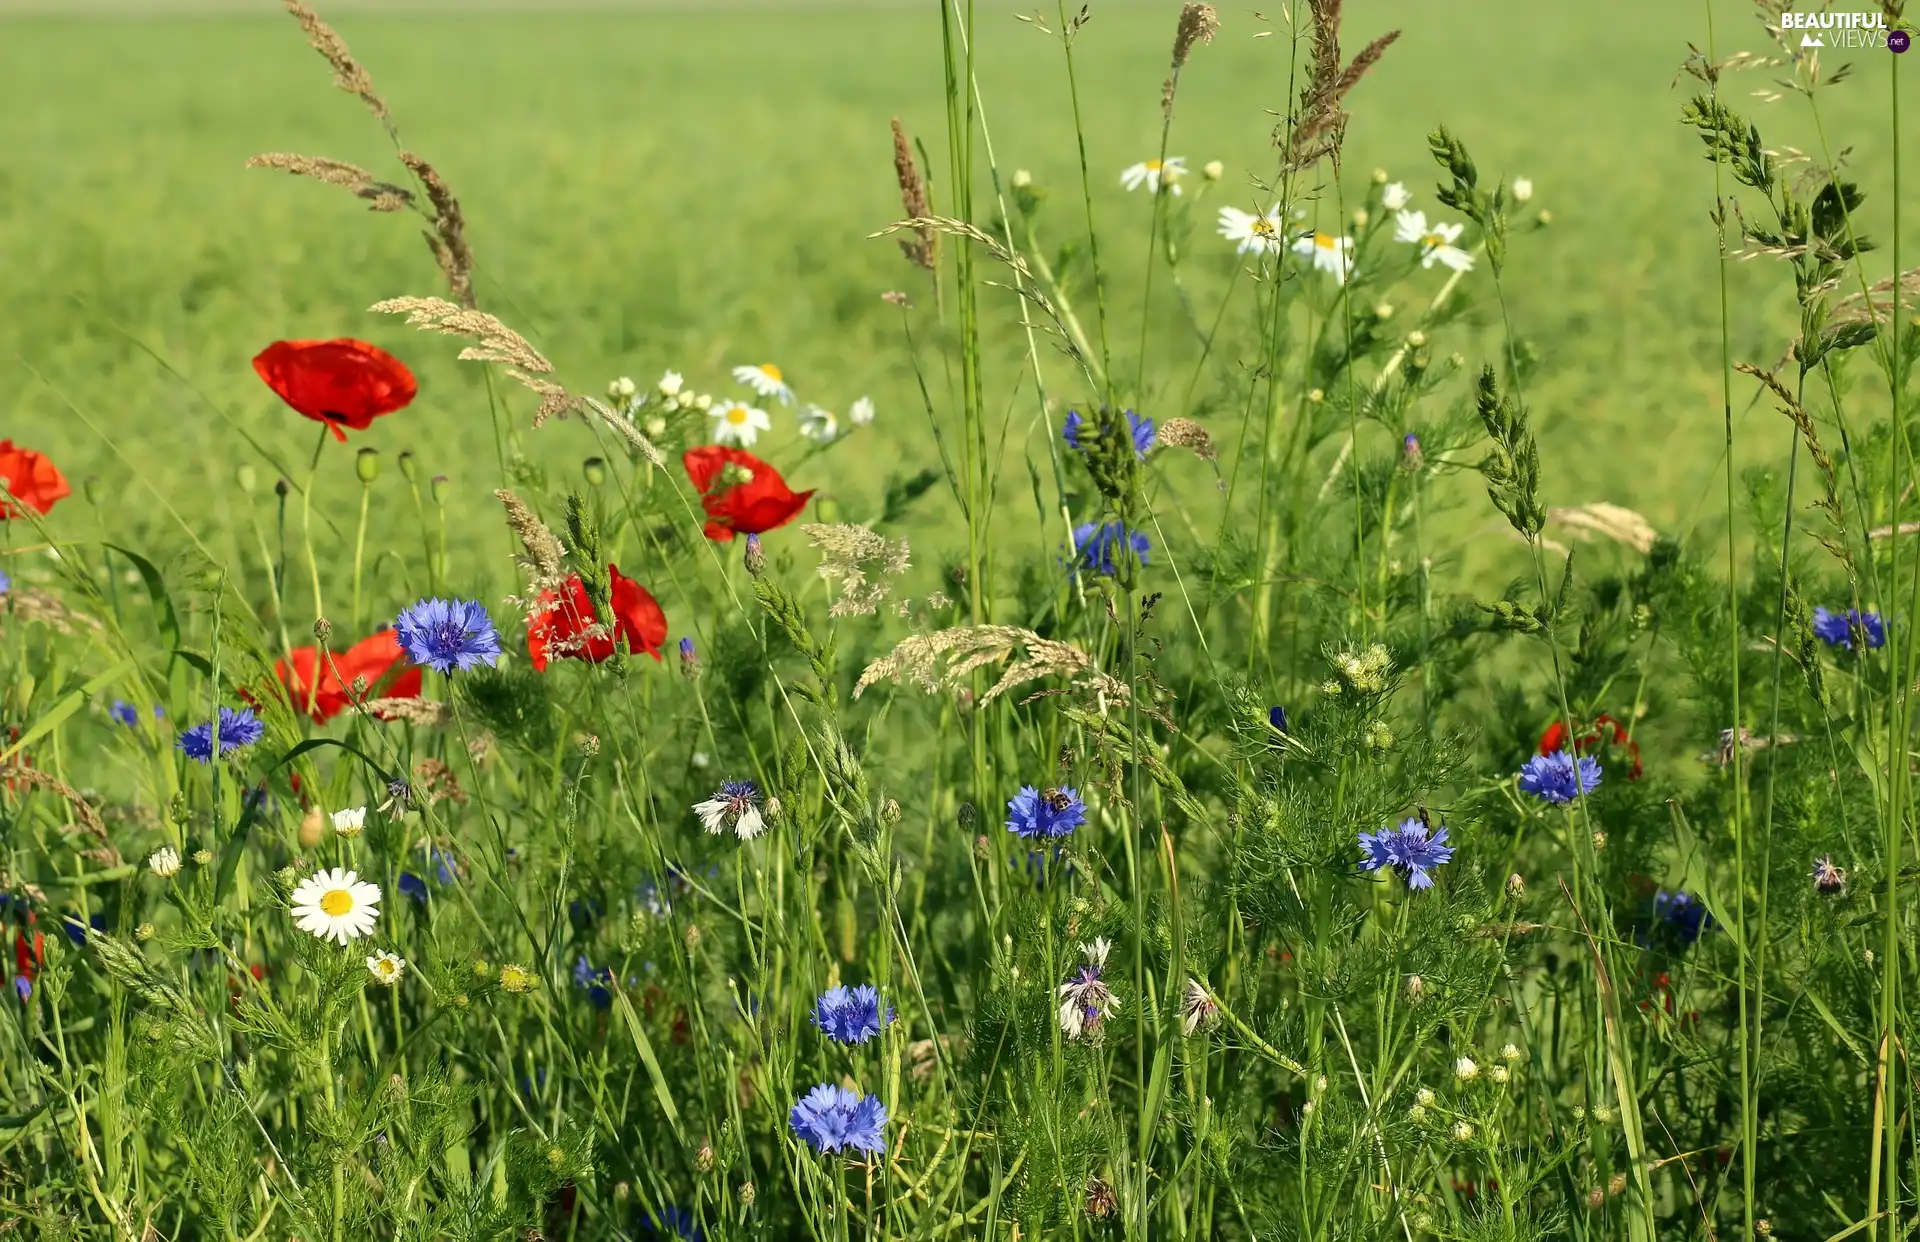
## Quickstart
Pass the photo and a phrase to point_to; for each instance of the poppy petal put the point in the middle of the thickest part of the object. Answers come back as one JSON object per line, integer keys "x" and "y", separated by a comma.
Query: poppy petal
{"x": 340, "y": 383}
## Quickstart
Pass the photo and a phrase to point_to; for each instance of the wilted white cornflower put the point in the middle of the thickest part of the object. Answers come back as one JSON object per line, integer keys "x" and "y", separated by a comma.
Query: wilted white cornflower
{"x": 1153, "y": 174}
{"x": 1198, "y": 1011}
{"x": 1085, "y": 1000}
{"x": 1416, "y": 989}
{"x": 737, "y": 806}
{"x": 349, "y": 823}
{"x": 1465, "y": 1070}
{"x": 164, "y": 862}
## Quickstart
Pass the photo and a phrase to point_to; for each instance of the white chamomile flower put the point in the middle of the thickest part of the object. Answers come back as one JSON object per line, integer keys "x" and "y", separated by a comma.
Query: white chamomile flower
{"x": 1395, "y": 196}
{"x": 1522, "y": 189}
{"x": 622, "y": 389}
{"x": 817, "y": 423}
{"x": 736, "y": 422}
{"x": 1435, "y": 242}
{"x": 1330, "y": 254}
{"x": 164, "y": 862}
{"x": 670, "y": 384}
{"x": 348, "y": 823}
{"x": 1154, "y": 173}
{"x": 1253, "y": 232}
{"x": 336, "y": 905}
{"x": 765, "y": 379}
{"x": 386, "y": 968}
{"x": 860, "y": 413}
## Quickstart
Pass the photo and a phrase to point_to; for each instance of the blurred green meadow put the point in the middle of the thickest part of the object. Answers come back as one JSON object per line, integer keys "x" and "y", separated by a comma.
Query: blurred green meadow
{"x": 651, "y": 187}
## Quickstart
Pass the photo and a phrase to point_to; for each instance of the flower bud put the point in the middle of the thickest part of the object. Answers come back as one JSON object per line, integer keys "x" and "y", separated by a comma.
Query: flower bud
{"x": 692, "y": 936}
{"x": 1021, "y": 179}
{"x": 1412, "y": 457}
{"x": 622, "y": 389}
{"x": 202, "y": 858}
{"x": 1516, "y": 886}
{"x": 366, "y": 464}
{"x": 1213, "y": 170}
{"x": 281, "y": 487}
{"x": 889, "y": 812}
{"x": 746, "y": 1195}
{"x": 756, "y": 557}
{"x": 145, "y": 931}
{"x": 407, "y": 467}
{"x": 1462, "y": 1131}
{"x": 689, "y": 659}
{"x": 1360, "y": 218}
{"x": 312, "y": 827}
{"x": 1316, "y": 395}
{"x": 1379, "y": 176}
{"x": 438, "y": 489}
{"x": 595, "y": 470}
{"x": 322, "y": 629}
{"x": 1416, "y": 338}
{"x": 1522, "y": 189}
{"x": 1416, "y": 989}
{"x": 247, "y": 477}
{"x": 703, "y": 1159}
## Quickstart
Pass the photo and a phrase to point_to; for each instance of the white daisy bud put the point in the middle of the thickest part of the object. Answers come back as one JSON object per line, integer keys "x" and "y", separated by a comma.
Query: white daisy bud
{"x": 1022, "y": 178}
{"x": 349, "y": 823}
{"x": 1522, "y": 189}
{"x": 622, "y": 389}
{"x": 164, "y": 862}
{"x": 1462, "y": 1131}
{"x": 1509, "y": 1053}
{"x": 669, "y": 385}
{"x": 1213, "y": 170}
{"x": 1464, "y": 1069}
{"x": 1499, "y": 1073}
{"x": 1424, "y": 1097}
{"x": 386, "y": 968}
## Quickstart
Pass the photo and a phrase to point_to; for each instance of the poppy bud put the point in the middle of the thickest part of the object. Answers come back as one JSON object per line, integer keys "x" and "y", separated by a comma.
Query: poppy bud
{"x": 595, "y": 470}
{"x": 246, "y": 477}
{"x": 438, "y": 489}
{"x": 281, "y": 487}
{"x": 827, "y": 509}
{"x": 323, "y": 629}
{"x": 756, "y": 557}
{"x": 366, "y": 464}
{"x": 407, "y": 466}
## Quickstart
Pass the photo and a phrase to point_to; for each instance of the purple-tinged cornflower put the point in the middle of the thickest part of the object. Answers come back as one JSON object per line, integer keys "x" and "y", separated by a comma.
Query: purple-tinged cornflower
{"x": 238, "y": 728}
{"x": 1096, "y": 545}
{"x": 1683, "y": 915}
{"x": 850, "y": 1015}
{"x": 834, "y": 1119}
{"x": 593, "y": 981}
{"x": 448, "y": 635}
{"x": 1836, "y": 629}
{"x": 22, "y": 986}
{"x": 1555, "y": 778}
{"x": 1085, "y": 999}
{"x": 6, "y": 583}
{"x": 1139, "y": 427}
{"x": 1277, "y": 717}
{"x": 737, "y": 806}
{"x": 1828, "y": 880}
{"x": 1408, "y": 849}
{"x": 1035, "y": 813}
{"x": 689, "y": 658}
{"x": 672, "y": 1222}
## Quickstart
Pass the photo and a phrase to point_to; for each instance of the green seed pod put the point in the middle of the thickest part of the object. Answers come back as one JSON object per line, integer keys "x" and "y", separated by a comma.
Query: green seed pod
{"x": 366, "y": 464}
{"x": 595, "y": 470}
{"x": 246, "y": 477}
{"x": 407, "y": 467}
{"x": 438, "y": 489}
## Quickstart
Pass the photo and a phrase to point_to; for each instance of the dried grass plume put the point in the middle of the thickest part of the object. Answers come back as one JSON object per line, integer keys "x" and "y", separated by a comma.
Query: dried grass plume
{"x": 348, "y": 74}
{"x": 380, "y": 195}
{"x": 1609, "y": 521}
{"x": 946, "y": 658}
{"x": 542, "y": 552}
{"x": 923, "y": 247}
{"x": 860, "y": 561}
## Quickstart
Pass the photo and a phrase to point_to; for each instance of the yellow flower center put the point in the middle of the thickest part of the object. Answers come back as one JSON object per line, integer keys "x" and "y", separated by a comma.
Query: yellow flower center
{"x": 1435, "y": 241}
{"x": 771, "y": 372}
{"x": 738, "y": 414}
{"x": 1323, "y": 241}
{"x": 336, "y": 902}
{"x": 384, "y": 968}
{"x": 1153, "y": 165}
{"x": 1262, "y": 226}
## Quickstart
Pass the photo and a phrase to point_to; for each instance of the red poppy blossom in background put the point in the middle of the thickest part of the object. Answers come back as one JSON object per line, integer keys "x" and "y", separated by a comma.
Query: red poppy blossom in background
{"x": 1605, "y": 731}
{"x": 343, "y": 383}
{"x": 32, "y": 478}
{"x": 637, "y": 617}
{"x": 741, "y": 494}
{"x": 372, "y": 658}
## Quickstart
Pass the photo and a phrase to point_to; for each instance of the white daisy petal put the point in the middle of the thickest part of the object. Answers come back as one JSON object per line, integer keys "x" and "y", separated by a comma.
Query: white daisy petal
{"x": 860, "y": 413}
{"x": 737, "y": 423}
{"x": 336, "y": 905}
{"x": 766, "y": 380}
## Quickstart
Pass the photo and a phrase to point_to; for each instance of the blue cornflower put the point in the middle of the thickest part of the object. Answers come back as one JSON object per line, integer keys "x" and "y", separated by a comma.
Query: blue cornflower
{"x": 1097, "y": 543}
{"x": 1835, "y": 629}
{"x": 124, "y": 712}
{"x": 448, "y": 635}
{"x": 1551, "y": 777}
{"x": 22, "y": 986}
{"x": 1139, "y": 425}
{"x": 1038, "y": 863}
{"x": 1277, "y": 717}
{"x": 654, "y": 898}
{"x": 1049, "y": 813}
{"x": 673, "y": 1222}
{"x": 1682, "y": 915}
{"x": 593, "y": 981}
{"x": 1412, "y": 457}
{"x": 833, "y": 1119}
{"x": 78, "y": 931}
{"x": 6, "y": 583}
{"x": 850, "y": 1015}
{"x": 413, "y": 886}
{"x": 1408, "y": 850}
{"x": 238, "y": 727}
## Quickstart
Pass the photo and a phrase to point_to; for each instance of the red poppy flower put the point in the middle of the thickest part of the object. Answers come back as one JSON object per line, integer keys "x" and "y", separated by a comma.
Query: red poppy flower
{"x": 637, "y": 617}
{"x": 32, "y": 478}
{"x": 1606, "y": 731}
{"x": 28, "y": 954}
{"x": 372, "y": 658}
{"x": 741, "y": 494}
{"x": 343, "y": 383}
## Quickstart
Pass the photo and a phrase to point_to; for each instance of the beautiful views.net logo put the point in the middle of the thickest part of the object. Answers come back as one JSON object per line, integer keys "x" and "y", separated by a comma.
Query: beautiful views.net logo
{"x": 1844, "y": 30}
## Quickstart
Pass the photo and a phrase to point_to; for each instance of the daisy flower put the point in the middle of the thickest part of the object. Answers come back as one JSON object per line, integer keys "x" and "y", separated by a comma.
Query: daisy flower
{"x": 737, "y": 423}
{"x": 1395, "y": 196}
{"x": 818, "y": 423}
{"x": 336, "y": 905}
{"x": 1252, "y": 232}
{"x": 860, "y": 413}
{"x": 386, "y": 968}
{"x": 766, "y": 380}
{"x": 736, "y": 805}
{"x": 1436, "y": 242}
{"x": 1330, "y": 254}
{"x": 164, "y": 862}
{"x": 1153, "y": 174}
{"x": 349, "y": 823}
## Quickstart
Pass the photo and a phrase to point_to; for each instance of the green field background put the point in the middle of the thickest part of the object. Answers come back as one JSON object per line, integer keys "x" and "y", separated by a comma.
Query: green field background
{"x": 693, "y": 185}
